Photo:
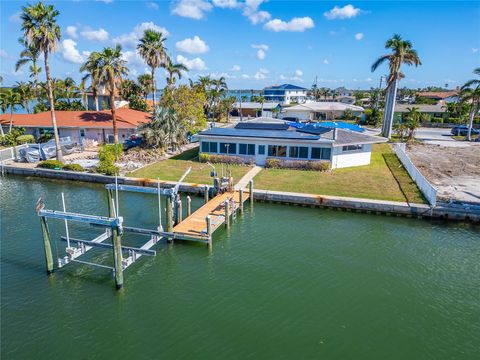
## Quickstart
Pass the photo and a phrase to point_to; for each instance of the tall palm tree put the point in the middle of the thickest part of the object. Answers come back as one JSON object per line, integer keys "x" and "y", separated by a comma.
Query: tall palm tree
{"x": 111, "y": 68}
{"x": 153, "y": 52}
{"x": 174, "y": 70}
{"x": 146, "y": 84}
{"x": 91, "y": 68}
{"x": 29, "y": 54}
{"x": 42, "y": 32}
{"x": 10, "y": 99}
{"x": 402, "y": 53}
{"x": 470, "y": 92}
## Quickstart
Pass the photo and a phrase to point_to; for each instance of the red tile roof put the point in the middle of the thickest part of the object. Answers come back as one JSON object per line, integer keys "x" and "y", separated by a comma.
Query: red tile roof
{"x": 126, "y": 119}
{"x": 437, "y": 94}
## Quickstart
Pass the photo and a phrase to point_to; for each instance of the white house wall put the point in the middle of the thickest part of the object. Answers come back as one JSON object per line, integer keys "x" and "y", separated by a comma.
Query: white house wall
{"x": 343, "y": 159}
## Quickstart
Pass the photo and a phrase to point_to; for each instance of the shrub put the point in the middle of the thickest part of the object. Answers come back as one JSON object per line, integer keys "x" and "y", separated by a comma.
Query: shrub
{"x": 455, "y": 120}
{"x": 24, "y": 139}
{"x": 10, "y": 138}
{"x": 204, "y": 158}
{"x": 51, "y": 164}
{"x": 45, "y": 137}
{"x": 297, "y": 164}
{"x": 73, "y": 167}
{"x": 107, "y": 155}
{"x": 436, "y": 120}
{"x": 107, "y": 169}
{"x": 226, "y": 159}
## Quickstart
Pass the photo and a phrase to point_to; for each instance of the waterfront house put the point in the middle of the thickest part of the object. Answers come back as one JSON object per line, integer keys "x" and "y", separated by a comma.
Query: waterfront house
{"x": 434, "y": 111}
{"x": 440, "y": 96}
{"x": 342, "y": 92}
{"x": 256, "y": 109}
{"x": 285, "y": 94}
{"x": 95, "y": 126}
{"x": 311, "y": 111}
{"x": 257, "y": 141}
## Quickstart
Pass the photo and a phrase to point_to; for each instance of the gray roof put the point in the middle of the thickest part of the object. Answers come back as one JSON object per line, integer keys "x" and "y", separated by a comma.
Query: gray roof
{"x": 256, "y": 105}
{"x": 344, "y": 137}
{"x": 425, "y": 108}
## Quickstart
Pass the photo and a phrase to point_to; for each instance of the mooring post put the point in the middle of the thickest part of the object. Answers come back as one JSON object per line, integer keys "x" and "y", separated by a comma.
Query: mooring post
{"x": 209, "y": 230}
{"x": 227, "y": 213}
{"x": 118, "y": 257}
{"x": 179, "y": 211}
{"x": 240, "y": 197}
{"x": 250, "y": 189}
{"x": 46, "y": 244}
{"x": 169, "y": 214}
{"x": 111, "y": 210}
{"x": 205, "y": 194}
{"x": 189, "y": 206}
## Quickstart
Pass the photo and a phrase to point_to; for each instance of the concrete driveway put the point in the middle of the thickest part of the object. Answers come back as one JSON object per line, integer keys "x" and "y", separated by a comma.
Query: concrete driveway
{"x": 437, "y": 136}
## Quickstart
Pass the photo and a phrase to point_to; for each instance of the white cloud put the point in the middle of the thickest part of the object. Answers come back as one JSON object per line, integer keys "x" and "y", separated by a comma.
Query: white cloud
{"x": 359, "y": 36}
{"x": 193, "y": 64}
{"x": 152, "y": 5}
{"x": 192, "y": 46}
{"x": 474, "y": 50}
{"x": 251, "y": 11}
{"x": 94, "y": 35}
{"x": 298, "y": 73}
{"x": 260, "y": 46}
{"x": 326, "y": 62}
{"x": 346, "y": 12}
{"x": 295, "y": 24}
{"x": 225, "y": 75}
{"x": 226, "y": 4}
{"x": 131, "y": 39}
{"x": 261, "y": 54}
{"x": 282, "y": 77}
{"x": 245, "y": 76}
{"x": 259, "y": 75}
{"x": 194, "y": 9}
{"x": 15, "y": 17}
{"x": 3, "y": 54}
{"x": 132, "y": 57}
{"x": 70, "y": 52}
{"x": 235, "y": 68}
{"x": 72, "y": 31}
{"x": 263, "y": 71}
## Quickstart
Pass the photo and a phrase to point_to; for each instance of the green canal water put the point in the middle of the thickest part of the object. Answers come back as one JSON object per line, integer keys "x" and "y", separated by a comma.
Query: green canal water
{"x": 284, "y": 282}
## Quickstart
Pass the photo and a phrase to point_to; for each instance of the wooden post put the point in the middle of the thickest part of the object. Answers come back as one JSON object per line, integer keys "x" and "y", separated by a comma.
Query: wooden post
{"x": 111, "y": 210}
{"x": 169, "y": 214}
{"x": 209, "y": 230}
{"x": 250, "y": 189}
{"x": 240, "y": 197}
{"x": 179, "y": 211}
{"x": 227, "y": 213}
{"x": 205, "y": 194}
{"x": 189, "y": 206}
{"x": 46, "y": 245}
{"x": 118, "y": 257}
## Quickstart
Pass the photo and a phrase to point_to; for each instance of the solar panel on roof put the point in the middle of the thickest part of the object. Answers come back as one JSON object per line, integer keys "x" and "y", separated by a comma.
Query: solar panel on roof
{"x": 261, "y": 126}
{"x": 315, "y": 130}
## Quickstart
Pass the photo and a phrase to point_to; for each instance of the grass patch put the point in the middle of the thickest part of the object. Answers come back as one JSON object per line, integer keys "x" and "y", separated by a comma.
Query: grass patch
{"x": 173, "y": 168}
{"x": 374, "y": 181}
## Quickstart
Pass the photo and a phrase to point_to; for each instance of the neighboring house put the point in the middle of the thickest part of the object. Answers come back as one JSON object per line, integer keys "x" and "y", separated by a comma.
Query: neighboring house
{"x": 440, "y": 96}
{"x": 341, "y": 92}
{"x": 285, "y": 94}
{"x": 435, "y": 111}
{"x": 80, "y": 125}
{"x": 254, "y": 109}
{"x": 312, "y": 111}
{"x": 343, "y": 99}
{"x": 258, "y": 141}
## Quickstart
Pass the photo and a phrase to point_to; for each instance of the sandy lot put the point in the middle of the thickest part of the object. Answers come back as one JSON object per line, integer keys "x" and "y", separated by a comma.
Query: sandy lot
{"x": 454, "y": 171}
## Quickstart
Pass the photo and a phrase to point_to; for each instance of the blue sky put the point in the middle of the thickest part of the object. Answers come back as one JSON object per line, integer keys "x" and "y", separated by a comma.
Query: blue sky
{"x": 254, "y": 43}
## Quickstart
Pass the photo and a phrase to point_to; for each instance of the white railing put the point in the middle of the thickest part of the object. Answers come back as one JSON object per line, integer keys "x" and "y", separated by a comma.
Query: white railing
{"x": 425, "y": 187}
{"x": 11, "y": 153}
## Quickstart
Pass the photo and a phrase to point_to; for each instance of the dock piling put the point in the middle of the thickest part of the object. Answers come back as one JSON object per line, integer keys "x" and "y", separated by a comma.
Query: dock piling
{"x": 179, "y": 211}
{"x": 209, "y": 230}
{"x": 189, "y": 206}
{"x": 227, "y": 213}
{"x": 240, "y": 196}
{"x": 169, "y": 214}
{"x": 47, "y": 246}
{"x": 250, "y": 189}
{"x": 205, "y": 193}
{"x": 118, "y": 258}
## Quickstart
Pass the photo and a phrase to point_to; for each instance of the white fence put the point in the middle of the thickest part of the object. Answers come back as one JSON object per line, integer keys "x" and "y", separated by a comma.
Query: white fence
{"x": 425, "y": 187}
{"x": 11, "y": 152}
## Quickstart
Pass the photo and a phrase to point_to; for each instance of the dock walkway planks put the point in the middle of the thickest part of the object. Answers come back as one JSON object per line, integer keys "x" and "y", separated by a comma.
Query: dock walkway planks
{"x": 195, "y": 225}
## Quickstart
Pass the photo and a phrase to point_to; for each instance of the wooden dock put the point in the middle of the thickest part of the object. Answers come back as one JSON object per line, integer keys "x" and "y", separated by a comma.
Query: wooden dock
{"x": 194, "y": 227}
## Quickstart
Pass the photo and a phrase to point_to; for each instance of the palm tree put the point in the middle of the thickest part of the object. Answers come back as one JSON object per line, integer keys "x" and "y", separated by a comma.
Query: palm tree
{"x": 10, "y": 99}
{"x": 146, "y": 83}
{"x": 42, "y": 32}
{"x": 153, "y": 52}
{"x": 164, "y": 130}
{"x": 91, "y": 68}
{"x": 26, "y": 91}
{"x": 111, "y": 68}
{"x": 174, "y": 70}
{"x": 29, "y": 54}
{"x": 402, "y": 53}
{"x": 470, "y": 92}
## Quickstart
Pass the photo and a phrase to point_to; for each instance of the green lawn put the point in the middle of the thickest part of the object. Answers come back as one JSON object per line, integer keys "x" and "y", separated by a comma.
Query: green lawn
{"x": 383, "y": 179}
{"x": 173, "y": 168}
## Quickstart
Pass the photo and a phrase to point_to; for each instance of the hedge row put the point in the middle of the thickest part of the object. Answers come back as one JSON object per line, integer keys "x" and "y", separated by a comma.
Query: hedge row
{"x": 297, "y": 164}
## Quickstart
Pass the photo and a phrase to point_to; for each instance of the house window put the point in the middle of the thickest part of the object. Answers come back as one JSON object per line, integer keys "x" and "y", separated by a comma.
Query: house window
{"x": 82, "y": 132}
{"x": 299, "y": 152}
{"x": 209, "y": 147}
{"x": 351, "y": 148}
{"x": 261, "y": 149}
{"x": 277, "y": 150}
{"x": 246, "y": 149}
{"x": 321, "y": 153}
{"x": 228, "y": 148}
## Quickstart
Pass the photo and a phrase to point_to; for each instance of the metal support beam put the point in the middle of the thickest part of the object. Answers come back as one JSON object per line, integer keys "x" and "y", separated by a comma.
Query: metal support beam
{"x": 109, "y": 246}
{"x": 140, "y": 189}
{"x": 90, "y": 219}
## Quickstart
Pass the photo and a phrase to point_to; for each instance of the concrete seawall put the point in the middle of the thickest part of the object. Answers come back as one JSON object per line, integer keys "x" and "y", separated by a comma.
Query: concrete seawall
{"x": 335, "y": 202}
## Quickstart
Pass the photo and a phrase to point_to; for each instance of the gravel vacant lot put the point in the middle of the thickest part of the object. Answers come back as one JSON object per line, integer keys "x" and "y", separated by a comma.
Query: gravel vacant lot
{"x": 454, "y": 171}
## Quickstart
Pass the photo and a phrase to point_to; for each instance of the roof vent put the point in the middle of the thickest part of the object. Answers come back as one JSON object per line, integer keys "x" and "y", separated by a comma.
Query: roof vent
{"x": 335, "y": 133}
